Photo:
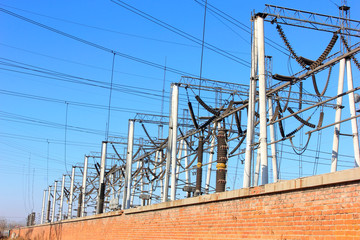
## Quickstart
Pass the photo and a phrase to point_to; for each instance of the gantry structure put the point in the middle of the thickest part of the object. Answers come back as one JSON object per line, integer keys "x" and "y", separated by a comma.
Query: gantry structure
{"x": 214, "y": 124}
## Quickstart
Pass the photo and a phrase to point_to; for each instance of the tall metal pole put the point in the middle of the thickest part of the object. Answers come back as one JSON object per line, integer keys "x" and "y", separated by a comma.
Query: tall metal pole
{"x": 61, "y": 198}
{"x": 101, "y": 193}
{"x": 353, "y": 113}
{"x": 83, "y": 188}
{"x": 48, "y": 205}
{"x": 129, "y": 158}
{"x": 54, "y": 203}
{"x": 335, "y": 148}
{"x": 174, "y": 116}
{"x": 273, "y": 139}
{"x": 71, "y": 193}
{"x": 210, "y": 163}
{"x": 251, "y": 109}
{"x": 43, "y": 208}
{"x": 262, "y": 99}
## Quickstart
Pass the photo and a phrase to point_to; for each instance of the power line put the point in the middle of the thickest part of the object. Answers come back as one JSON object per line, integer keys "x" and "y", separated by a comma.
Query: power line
{"x": 110, "y": 93}
{"x": 78, "y": 63}
{"x": 61, "y": 101}
{"x": 242, "y": 26}
{"x": 6, "y": 116}
{"x": 46, "y": 73}
{"x": 52, "y": 141}
{"x": 65, "y": 136}
{"x": 101, "y": 28}
{"x": 182, "y": 33}
{"x": 100, "y": 47}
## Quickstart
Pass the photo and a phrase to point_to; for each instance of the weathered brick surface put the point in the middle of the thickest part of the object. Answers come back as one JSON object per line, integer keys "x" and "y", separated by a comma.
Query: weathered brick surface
{"x": 328, "y": 210}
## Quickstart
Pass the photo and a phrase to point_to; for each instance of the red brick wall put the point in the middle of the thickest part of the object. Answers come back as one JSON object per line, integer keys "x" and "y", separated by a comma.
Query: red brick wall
{"x": 319, "y": 207}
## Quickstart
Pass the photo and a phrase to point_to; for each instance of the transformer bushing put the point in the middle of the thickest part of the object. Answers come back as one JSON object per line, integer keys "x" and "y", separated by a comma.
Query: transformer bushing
{"x": 199, "y": 166}
{"x": 221, "y": 161}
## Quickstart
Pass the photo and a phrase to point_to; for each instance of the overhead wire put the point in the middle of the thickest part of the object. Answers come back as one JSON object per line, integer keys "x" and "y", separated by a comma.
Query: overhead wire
{"x": 110, "y": 94}
{"x": 50, "y": 74}
{"x": 78, "y": 63}
{"x": 7, "y": 116}
{"x": 74, "y": 103}
{"x": 242, "y": 26}
{"x": 65, "y": 137}
{"x": 100, "y": 47}
{"x": 99, "y": 28}
{"x": 181, "y": 33}
{"x": 202, "y": 52}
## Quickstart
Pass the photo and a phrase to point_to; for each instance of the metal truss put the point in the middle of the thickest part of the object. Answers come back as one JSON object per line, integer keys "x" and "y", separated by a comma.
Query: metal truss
{"x": 311, "y": 20}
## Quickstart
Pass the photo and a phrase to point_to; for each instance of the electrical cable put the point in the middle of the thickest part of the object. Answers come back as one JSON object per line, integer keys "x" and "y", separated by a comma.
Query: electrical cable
{"x": 179, "y": 72}
{"x": 110, "y": 94}
{"x": 241, "y": 25}
{"x": 287, "y": 44}
{"x": 65, "y": 137}
{"x": 181, "y": 33}
{"x": 23, "y": 119}
{"x": 99, "y": 28}
{"x": 61, "y": 101}
{"x": 50, "y": 74}
{"x": 305, "y": 122}
{"x": 326, "y": 51}
{"x": 208, "y": 108}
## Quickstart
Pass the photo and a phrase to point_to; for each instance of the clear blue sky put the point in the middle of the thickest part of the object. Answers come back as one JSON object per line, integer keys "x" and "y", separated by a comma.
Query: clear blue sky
{"x": 33, "y": 108}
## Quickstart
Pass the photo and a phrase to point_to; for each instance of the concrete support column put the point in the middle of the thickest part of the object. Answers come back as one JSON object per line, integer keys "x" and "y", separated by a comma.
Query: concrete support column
{"x": 43, "y": 208}
{"x": 251, "y": 110}
{"x": 83, "y": 187}
{"x": 54, "y": 203}
{"x": 101, "y": 192}
{"x": 211, "y": 158}
{"x": 174, "y": 116}
{"x": 335, "y": 148}
{"x": 48, "y": 206}
{"x": 172, "y": 147}
{"x": 273, "y": 139}
{"x": 71, "y": 193}
{"x": 61, "y": 198}
{"x": 262, "y": 99}
{"x": 354, "y": 126}
{"x": 128, "y": 170}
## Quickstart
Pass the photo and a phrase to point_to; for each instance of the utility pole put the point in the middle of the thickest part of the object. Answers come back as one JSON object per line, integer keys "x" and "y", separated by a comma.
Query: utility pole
{"x": 48, "y": 206}
{"x": 54, "y": 203}
{"x": 43, "y": 208}
{"x": 83, "y": 189}
{"x": 129, "y": 158}
{"x": 62, "y": 197}
{"x": 100, "y": 198}
{"x": 71, "y": 193}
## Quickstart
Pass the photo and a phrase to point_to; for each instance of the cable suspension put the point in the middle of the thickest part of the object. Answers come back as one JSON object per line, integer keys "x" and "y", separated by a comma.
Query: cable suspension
{"x": 326, "y": 51}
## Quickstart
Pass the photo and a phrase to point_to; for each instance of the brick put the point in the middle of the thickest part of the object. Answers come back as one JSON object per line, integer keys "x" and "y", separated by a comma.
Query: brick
{"x": 285, "y": 210}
